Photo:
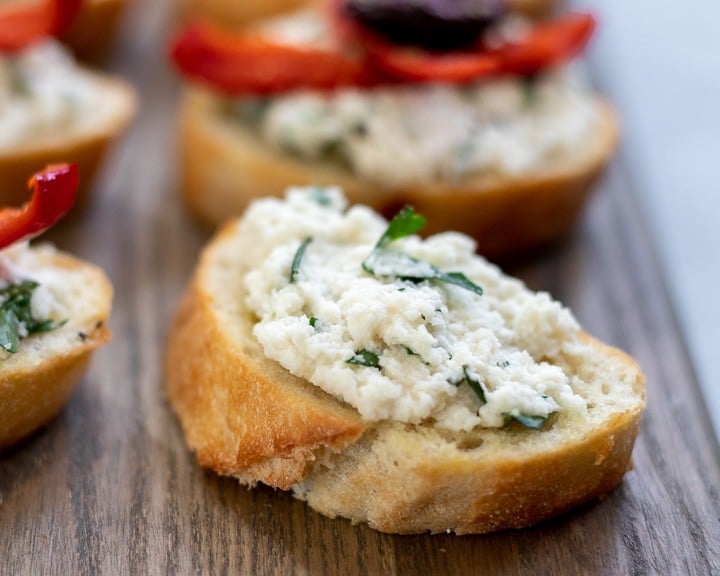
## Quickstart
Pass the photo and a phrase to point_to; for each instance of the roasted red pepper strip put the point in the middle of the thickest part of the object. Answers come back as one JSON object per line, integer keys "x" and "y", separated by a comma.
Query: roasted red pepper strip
{"x": 545, "y": 45}
{"x": 548, "y": 44}
{"x": 23, "y": 23}
{"x": 53, "y": 194}
{"x": 247, "y": 63}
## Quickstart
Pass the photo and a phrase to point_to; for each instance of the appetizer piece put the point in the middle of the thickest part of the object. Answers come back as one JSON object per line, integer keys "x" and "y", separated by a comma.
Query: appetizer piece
{"x": 482, "y": 128}
{"x": 401, "y": 382}
{"x": 53, "y": 310}
{"x": 51, "y": 109}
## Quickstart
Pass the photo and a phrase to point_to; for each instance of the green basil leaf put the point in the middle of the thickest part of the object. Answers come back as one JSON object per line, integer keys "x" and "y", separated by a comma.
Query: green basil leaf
{"x": 366, "y": 358}
{"x": 295, "y": 266}
{"x": 527, "y": 420}
{"x": 384, "y": 262}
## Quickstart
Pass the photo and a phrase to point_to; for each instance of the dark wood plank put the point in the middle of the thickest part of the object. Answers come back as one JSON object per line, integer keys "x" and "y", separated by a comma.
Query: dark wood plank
{"x": 109, "y": 487}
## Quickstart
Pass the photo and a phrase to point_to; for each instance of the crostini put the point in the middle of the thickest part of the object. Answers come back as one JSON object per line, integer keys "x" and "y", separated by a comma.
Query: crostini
{"x": 52, "y": 110}
{"x": 400, "y": 382}
{"x": 492, "y": 137}
{"x": 53, "y": 310}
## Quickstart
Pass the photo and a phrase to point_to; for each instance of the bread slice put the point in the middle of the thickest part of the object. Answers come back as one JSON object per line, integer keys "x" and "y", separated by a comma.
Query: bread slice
{"x": 84, "y": 142}
{"x": 246, "y": 416}
{"x": 37, "y": 381}
{"x": 95, "y": 29}
{"x": 225, "y": 166}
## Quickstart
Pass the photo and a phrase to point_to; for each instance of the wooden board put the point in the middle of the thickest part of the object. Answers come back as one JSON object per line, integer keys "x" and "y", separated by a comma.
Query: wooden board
{"x": 109, "y": 487}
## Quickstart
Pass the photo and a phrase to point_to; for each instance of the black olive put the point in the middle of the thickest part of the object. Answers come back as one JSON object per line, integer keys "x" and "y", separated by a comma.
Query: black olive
{"x": 436, "y": 25}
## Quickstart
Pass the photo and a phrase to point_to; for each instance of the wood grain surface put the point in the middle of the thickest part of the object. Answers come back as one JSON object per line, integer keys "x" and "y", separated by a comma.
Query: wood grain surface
{"x": 109, "y": 487}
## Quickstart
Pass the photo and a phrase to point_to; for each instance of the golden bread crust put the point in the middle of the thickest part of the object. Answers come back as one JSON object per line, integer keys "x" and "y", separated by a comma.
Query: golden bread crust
{"x": 248, "y": 417}
{"x": 95, "y": 29}
{"x": 471, "y": 492}
{"x": 234, "y": 13}
{"x": 534, "y": 8}
{"x": 86, "y": 147}
{"x": 240, "y": 412}
{"x": 225, "y": 166}
{"x": 35, "y": 390}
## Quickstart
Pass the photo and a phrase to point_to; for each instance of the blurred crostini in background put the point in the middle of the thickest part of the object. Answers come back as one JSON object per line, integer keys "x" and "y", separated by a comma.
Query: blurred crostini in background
{"x": 52, "y": 109}
{"x": 471, "y": 116}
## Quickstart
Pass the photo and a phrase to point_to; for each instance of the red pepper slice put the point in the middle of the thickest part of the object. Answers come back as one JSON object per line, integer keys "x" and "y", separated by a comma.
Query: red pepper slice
{"x": 23, "y": 23}
{"x": 548, "y": 44}
{"x": 545, "y": 45}
{"x": 248, "y": 63}
{"x": 53, "y": 194}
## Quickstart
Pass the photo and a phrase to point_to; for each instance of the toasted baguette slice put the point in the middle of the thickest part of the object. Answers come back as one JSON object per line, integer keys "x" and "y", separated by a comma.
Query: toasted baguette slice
{"x": 37, "y": 381}
{"x": 246, "y": 416}
{"x": 95, "y": 29}
{"x": 84, "y": 143}
{"x": 225, "y": 166}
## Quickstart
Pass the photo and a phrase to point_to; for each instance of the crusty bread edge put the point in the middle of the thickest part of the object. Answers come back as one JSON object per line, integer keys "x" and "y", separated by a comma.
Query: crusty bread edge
{"x": 206, "y": 374}
{"x": 235, "y": 14}
{"x": 224, "y": 166}
{"x": 471, "y": 496}
{"x": 86, "y": 147}
{"x": 31, "y": 395}
{"x": 95, "y": 29}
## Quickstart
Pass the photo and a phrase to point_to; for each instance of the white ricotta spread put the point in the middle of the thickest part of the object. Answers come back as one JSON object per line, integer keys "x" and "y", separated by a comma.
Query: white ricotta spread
{"x": 397, "y": 136}
{"x": 44, "y": 302}
{"x": 427, "y": 336}
{"x": 42, "y": 91}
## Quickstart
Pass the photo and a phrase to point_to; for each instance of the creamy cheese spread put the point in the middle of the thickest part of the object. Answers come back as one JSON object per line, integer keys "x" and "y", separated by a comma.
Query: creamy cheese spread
{"x": 397, "y": 136}
{"x": 46, "y": 303}
{"x": 43, "y": 92}
{"x": 322, "y": 317}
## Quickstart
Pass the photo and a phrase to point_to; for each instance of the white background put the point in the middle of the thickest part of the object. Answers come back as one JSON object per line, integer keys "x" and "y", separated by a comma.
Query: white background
{"x": 660, "y": 62}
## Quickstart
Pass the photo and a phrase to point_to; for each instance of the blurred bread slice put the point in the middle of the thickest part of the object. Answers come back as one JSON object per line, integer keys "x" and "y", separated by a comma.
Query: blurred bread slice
{"x": 84, "y": 142}
{"x": 225, "y": 166}
{"x": 37, "y": 381}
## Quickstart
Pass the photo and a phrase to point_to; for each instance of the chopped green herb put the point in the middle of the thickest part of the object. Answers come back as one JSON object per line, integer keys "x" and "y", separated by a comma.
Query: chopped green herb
{"x": 360, "y": 130}
{"x": 405, "y": 223}
{"x": 384, "y": 262}
{"x": 313, "y": 321}
{"x": 530, "y": 91}
{"x": 295, "y": 266}
{"x": 527, "y": 420}
{"x": 474, "y": 383}
{"x": 366, "y": 358}
{"x": 320, "y": 196}
{"x": 251, "y": 111}
{"x": 410, "y": 351}
{"x": 16, "y": 316}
